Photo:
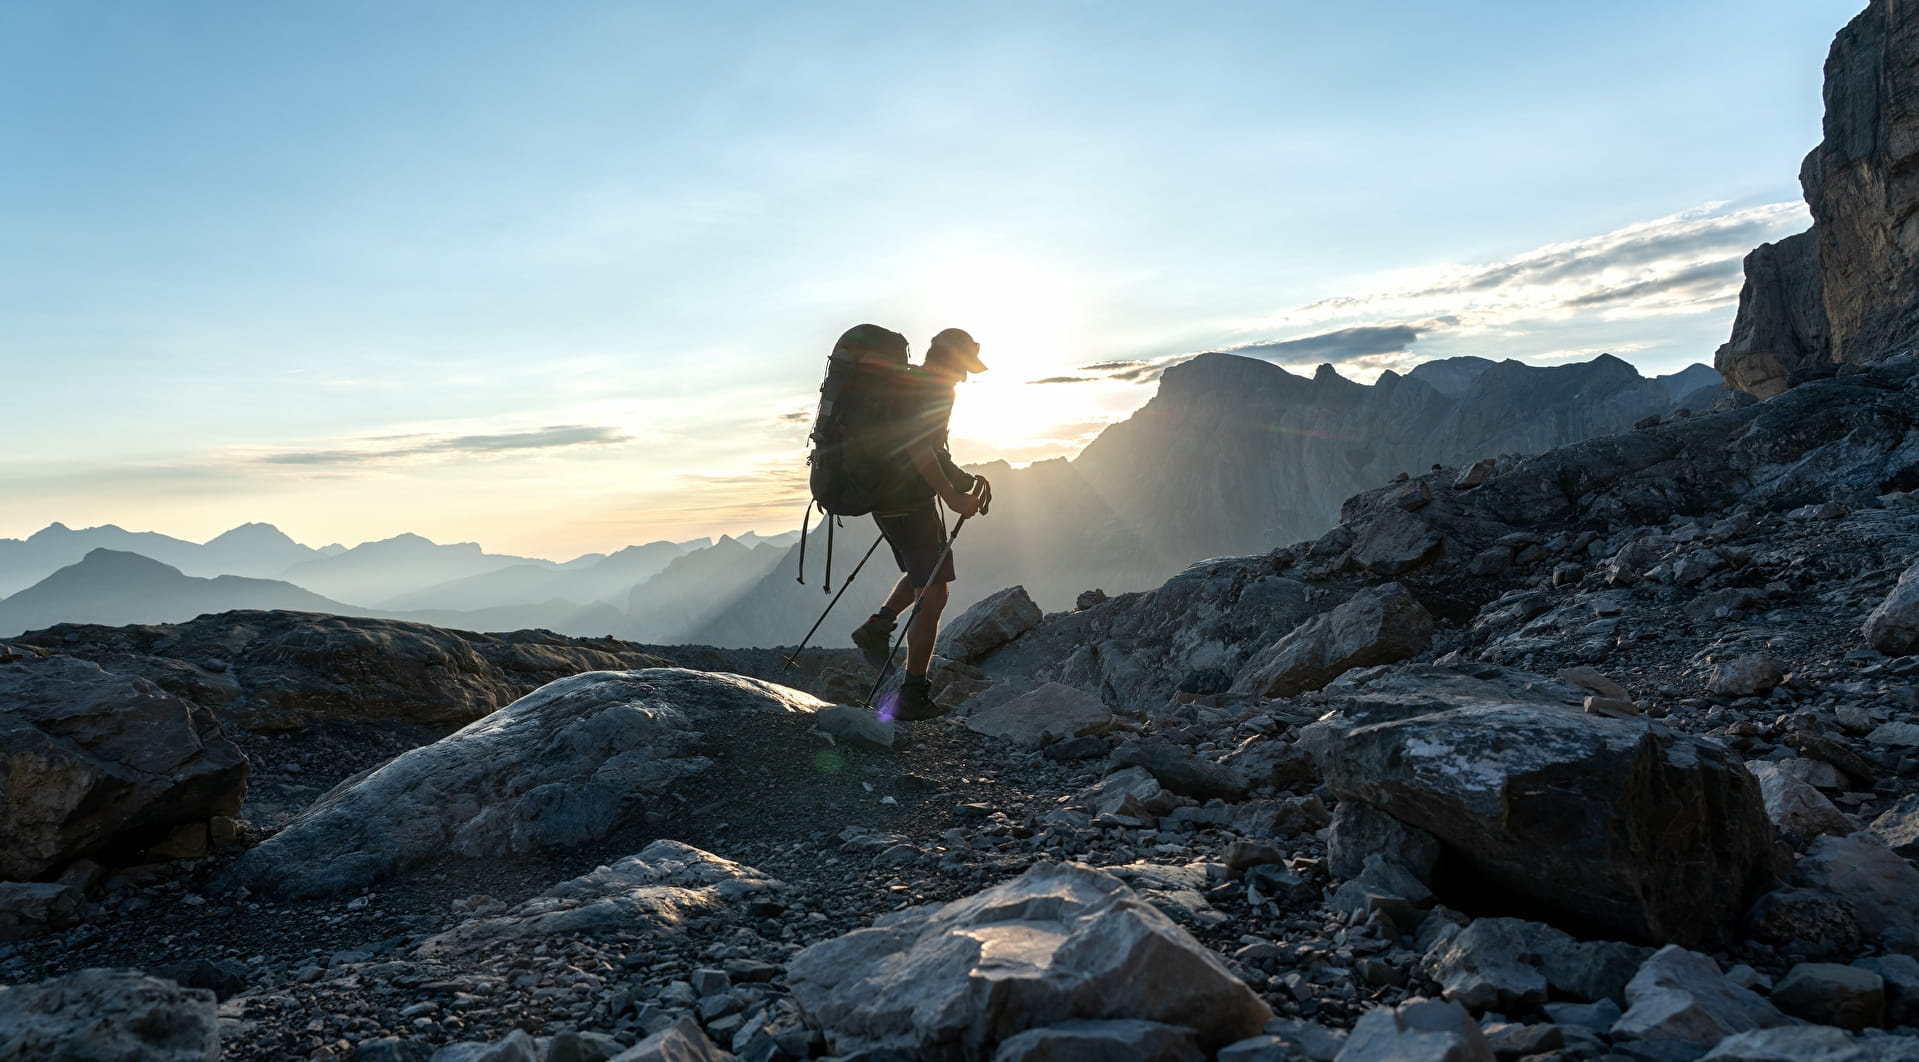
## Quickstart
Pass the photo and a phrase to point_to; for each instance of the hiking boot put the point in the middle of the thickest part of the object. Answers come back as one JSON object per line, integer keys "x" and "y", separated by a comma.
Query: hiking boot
{"x": 875, "y": 640}
{"x": 915, "y": 700}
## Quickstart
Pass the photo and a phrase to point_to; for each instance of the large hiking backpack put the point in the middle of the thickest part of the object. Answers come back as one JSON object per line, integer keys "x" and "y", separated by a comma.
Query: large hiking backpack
{"x": 847, "y": 473}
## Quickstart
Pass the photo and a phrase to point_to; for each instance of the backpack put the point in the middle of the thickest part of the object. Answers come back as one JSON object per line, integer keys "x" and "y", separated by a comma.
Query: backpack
{"x": 850, "y": 454}
{"x": 848, "y": 461}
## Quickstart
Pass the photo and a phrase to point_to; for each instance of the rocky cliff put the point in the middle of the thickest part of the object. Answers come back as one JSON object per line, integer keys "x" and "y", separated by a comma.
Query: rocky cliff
{"x": 1848, "y": 290}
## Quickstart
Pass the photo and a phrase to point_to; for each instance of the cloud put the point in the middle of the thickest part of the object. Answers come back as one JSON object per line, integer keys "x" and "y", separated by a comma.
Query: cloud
{"x": 1679, "y": 264}
{"x": 1066, "y": 379}
{"x": 1342, "y": 345}
{"x": 394, "y": 447}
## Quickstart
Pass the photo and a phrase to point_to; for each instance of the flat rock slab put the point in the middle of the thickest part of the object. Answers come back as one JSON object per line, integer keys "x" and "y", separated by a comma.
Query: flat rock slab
{"x": 1053, "y": 712}
{"x": 1615, "y": 826}
{"x": 665, "y": 884}
{"x": 1059, "y": 943}
{"x": 108, "y": 1015}
{"x": 98, "y": 763}
{"x": 564, "y": 765}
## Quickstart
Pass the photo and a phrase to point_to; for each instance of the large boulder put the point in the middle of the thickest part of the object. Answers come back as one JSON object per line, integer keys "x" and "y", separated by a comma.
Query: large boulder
{"x": 1378, "y": 625}
{"x": 1893, "y": 627}
{"x": 989, "y": 624}
{"x": 108, "y": 1016}
{"x": 562, "y": 766}
{"x": 666, "y": 884}
{"x": 99, "y": 764}
{"x": 1058, "y": 943}
{"x": 1617, "y": 826}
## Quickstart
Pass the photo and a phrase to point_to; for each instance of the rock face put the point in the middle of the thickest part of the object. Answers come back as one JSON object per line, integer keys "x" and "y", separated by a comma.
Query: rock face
{"x": 1378, "y": 625}
{"x": 94, "y": 763}
{"x": 989, "y": 624}
{"x": 1615, "y": 824}
{"x": 1781, "y": 324}
{"x": 1848, "y": 290}
{"x": 563, "y": 765}
{"x": 108, "y": 1016}
{"x": 1058, "y": 943}
{"x": 1862, "y": 183}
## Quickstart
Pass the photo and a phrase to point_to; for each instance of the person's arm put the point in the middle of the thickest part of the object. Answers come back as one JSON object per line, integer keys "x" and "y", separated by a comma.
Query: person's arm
{"x": 958, "y": 476}
{"x": 926, "y": 461}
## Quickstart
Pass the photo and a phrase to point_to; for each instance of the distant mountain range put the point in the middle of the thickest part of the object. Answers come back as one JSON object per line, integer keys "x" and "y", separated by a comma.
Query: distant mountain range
{"x": 1231, "y": 456}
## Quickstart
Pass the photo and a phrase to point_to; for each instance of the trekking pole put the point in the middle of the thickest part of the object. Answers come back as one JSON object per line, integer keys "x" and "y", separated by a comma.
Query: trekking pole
{"x": 793, "y": 659}
{"x": 983, "y": 491}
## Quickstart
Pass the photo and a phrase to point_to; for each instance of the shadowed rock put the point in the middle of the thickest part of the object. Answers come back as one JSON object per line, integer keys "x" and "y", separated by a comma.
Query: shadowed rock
{"x": 1618, "y": 825}
{"x": 1377, "y": 625}
{"x": 102, "y": 1015}
{"x": 97, "y": 763}
{"x": 561, "y": 766}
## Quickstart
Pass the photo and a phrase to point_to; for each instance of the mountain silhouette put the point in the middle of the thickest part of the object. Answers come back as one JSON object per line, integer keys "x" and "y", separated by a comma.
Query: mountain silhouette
{"x": 113, "y": 587}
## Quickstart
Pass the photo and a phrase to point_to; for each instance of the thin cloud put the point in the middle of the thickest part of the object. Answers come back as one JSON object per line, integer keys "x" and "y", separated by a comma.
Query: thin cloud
{"x": 1067, "y": 379}
{"x": 558, "y": 436}
{"x": 1345, "y": 344}
{"x": 1680, "y": 264}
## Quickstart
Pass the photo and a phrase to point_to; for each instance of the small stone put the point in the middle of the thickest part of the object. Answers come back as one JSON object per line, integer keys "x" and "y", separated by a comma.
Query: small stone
{"x": 1746, "y": 676}
{"x": 1831, "y": 994}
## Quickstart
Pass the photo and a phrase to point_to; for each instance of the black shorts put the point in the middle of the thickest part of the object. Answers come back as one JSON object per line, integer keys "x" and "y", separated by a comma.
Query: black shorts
{"x": 918, "y": 539}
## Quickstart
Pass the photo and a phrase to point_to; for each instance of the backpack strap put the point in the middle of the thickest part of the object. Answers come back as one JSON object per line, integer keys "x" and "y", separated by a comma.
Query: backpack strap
{"x": 805, "y": 518}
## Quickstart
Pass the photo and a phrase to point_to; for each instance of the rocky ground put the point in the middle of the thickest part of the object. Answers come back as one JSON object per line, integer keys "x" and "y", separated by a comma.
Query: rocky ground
{"x": 1742, "y": 627}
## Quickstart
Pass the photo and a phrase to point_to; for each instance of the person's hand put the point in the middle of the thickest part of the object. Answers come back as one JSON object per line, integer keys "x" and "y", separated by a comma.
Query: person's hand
{"x": 966, "y": 505}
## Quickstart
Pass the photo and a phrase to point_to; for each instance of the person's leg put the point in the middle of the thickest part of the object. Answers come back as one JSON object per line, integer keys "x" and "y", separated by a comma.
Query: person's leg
{"x": 874, "y": 638}
{"x": 924, "y": 630}
{"x": 900, "y": 600}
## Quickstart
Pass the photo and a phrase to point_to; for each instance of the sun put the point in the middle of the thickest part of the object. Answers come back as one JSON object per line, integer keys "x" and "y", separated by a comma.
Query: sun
{"x": 1027, "y": 319}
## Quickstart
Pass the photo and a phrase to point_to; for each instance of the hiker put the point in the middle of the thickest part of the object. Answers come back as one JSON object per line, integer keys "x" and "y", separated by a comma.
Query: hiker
{"x": 922, "y": 472}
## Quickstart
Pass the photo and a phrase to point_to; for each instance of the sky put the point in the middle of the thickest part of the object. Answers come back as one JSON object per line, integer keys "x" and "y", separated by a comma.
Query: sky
{"x": 559, "y": 278}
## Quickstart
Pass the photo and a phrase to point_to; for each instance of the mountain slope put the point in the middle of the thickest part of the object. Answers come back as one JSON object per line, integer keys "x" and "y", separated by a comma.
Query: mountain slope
{"x": 113, "y": 587}
{"x": 383, "y": 570}
{"x": 609, "y": 579}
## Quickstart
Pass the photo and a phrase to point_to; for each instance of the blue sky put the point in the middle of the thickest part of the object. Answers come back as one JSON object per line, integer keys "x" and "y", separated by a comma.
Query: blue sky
{"x": 557, "y": 277}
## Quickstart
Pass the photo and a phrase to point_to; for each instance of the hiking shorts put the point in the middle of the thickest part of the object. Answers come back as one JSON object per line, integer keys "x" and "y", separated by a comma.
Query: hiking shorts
{"x": 918, "y": 539}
